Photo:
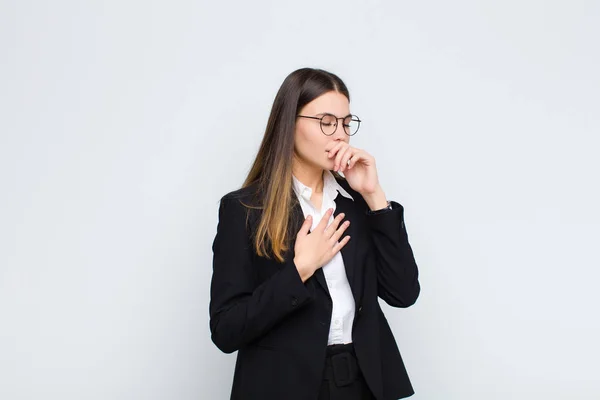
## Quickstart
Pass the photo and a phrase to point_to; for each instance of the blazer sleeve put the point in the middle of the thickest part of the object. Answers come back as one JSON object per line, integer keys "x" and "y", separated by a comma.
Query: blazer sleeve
{"x": 240, "y": 310}
{"x": 397, "y": 272}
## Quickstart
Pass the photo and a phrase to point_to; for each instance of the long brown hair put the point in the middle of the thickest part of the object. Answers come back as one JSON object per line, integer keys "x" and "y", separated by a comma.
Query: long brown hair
{"x": 272, "y": 167}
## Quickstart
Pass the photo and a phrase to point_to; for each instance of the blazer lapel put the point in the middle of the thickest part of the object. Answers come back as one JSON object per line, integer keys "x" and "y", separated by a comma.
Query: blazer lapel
{"x": 346, "y": 206}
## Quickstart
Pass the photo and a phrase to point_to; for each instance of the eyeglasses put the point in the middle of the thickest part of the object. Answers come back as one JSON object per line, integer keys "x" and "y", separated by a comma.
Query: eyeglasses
{"x": 329, "y": 123}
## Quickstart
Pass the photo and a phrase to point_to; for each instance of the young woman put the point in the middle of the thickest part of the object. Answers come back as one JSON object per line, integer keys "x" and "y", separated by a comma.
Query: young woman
{"x": 302, "y": 253}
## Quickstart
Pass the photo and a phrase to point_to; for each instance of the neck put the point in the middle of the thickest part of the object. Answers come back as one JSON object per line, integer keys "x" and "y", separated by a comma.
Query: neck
{"x": 311, "y": 177}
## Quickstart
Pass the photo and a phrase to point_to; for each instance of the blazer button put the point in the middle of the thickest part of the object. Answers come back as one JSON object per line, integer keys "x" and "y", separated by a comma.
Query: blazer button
{"x": 360, "y": 309}
{"x": 294, "y": 301}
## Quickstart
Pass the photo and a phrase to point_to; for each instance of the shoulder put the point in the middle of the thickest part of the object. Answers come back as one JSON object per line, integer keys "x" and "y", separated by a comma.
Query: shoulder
{"x": 246, "y": 195}
{"x": 243, "y": 204}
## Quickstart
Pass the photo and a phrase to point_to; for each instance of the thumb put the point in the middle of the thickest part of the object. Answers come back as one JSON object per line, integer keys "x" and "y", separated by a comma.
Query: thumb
{"x": 305, "y": 226}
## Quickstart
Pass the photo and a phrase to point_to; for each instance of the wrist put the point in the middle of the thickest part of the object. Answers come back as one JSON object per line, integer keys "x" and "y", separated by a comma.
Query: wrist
{"x": 376, "y": 200}
{"x": 303, "y": 271}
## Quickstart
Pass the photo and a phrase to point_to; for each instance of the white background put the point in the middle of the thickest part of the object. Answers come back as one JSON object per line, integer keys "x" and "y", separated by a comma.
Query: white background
{"x": 123, "y": 123}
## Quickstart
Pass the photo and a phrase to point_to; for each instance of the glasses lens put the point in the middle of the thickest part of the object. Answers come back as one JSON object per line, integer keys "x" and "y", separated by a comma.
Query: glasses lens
{"x": 328, "y": 123}
{"x": 351, "y": 124}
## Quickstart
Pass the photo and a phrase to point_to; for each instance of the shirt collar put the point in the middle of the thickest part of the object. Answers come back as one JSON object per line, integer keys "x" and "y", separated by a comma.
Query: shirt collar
{"x": 330, "y": 186}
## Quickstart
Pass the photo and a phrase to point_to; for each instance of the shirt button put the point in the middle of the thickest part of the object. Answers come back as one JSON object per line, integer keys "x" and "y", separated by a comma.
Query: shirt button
{"x": 337, "y": 322}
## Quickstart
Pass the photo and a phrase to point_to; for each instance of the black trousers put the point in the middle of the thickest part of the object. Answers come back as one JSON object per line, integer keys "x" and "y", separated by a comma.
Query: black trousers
{"x": 342, "y": 379}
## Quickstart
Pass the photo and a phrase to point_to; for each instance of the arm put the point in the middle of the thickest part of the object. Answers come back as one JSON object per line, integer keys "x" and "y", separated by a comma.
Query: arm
{"x": 240, "y": 311}
{"x": 397, "y": 272}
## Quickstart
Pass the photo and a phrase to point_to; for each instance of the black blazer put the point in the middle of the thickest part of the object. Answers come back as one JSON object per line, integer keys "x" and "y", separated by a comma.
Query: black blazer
{"x": 279, "y": 325}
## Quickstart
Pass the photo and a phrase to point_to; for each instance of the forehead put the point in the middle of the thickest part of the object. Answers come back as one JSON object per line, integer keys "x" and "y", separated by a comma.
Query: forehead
{"x": 331, "y": 102}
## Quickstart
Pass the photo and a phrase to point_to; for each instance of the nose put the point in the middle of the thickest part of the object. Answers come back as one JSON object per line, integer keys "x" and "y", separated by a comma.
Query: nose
{"x": 340, "y": 135}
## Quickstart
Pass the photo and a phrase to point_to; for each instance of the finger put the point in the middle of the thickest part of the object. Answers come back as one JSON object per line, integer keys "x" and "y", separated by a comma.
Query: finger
{"x": 364, "y": 158}
{"x": 334, "y": 225}
{"x": 340, "y": 231}
{"x": 305, "y": 226}
{"x": 346, "y": 158}
{"x": 334, "y": 149}
{"x": 325, "y": 220}
{"x": 339, "y": 245}
{"x": 339, "y": 155}
{"x": 354, "y": 159}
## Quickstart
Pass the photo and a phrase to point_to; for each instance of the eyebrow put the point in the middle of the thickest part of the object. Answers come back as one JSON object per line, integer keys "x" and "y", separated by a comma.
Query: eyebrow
{"x": 323, "y": 113}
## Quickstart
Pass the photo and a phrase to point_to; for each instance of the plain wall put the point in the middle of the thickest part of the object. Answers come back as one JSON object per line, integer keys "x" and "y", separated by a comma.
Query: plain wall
{"x": 123, "y": 123}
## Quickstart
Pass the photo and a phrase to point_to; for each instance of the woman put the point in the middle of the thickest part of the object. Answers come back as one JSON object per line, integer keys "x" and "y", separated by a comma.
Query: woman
{"x": 302, "y": 253}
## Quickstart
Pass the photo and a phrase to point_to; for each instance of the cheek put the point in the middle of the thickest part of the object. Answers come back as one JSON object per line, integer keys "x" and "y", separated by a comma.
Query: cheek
{"x": 304, "y": 142}
{"x": 310, "y": 146}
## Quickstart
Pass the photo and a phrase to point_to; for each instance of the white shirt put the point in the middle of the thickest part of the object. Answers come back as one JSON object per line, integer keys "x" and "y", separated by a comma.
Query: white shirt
{"x": 342, "y": 315}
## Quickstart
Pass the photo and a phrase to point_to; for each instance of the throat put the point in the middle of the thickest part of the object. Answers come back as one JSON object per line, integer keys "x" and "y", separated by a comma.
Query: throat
{"x": 317, "y": 201}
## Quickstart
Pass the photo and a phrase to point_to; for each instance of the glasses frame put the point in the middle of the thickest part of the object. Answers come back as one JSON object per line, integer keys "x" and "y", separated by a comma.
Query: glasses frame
{"x": 352, "y": 117}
